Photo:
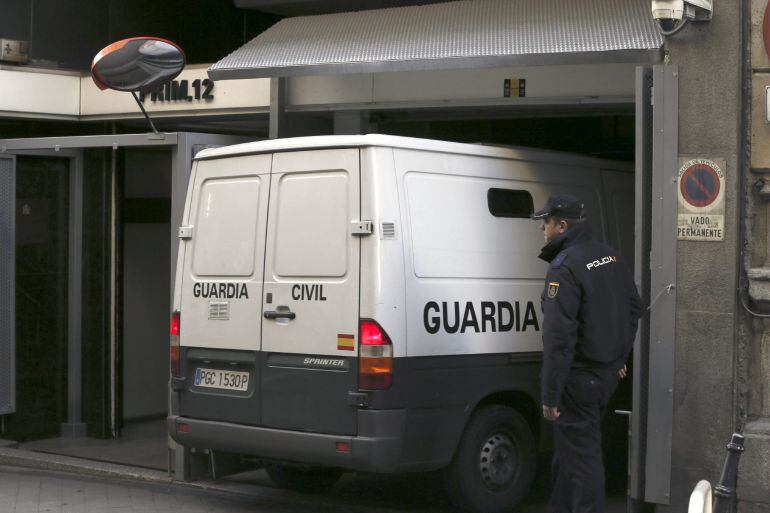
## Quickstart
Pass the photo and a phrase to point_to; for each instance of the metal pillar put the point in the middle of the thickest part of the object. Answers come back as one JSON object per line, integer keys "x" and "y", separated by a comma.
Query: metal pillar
{"x": 7, "y": 286}
{"x": 75, "y": 427}
{"x": 277, "y": 107}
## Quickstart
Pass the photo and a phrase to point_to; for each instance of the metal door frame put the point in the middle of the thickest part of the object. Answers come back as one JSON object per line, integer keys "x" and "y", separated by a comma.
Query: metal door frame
{"x": 182, "y": 145}
{"x": 657, "y": 134}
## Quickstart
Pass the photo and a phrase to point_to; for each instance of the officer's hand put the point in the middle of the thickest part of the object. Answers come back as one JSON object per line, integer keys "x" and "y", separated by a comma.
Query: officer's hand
{"x": 551, "y": 412}
{"x": 623, "y": 372}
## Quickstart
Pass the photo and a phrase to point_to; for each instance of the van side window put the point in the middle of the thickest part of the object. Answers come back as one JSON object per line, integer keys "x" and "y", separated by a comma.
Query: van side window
{"x": 453, "y": 235}
{"x": 510, "y": 203}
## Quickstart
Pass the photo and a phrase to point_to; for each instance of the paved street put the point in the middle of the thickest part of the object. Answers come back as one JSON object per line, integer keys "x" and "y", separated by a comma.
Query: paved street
{"x": 34, "y": 491}
{"x": 25, "y": 490}
{"x": 28, "y": 491}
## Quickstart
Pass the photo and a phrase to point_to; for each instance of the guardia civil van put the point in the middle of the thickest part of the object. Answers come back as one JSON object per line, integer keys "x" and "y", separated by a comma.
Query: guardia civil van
{"x": 371, "y": 303}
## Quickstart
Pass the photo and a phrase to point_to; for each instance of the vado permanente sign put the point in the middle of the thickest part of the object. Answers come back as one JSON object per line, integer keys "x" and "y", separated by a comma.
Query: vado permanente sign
{"x": 701, "y": 194}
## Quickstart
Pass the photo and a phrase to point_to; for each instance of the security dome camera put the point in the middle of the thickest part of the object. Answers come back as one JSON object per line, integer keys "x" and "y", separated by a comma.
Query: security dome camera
{"x": 673, "y": 15}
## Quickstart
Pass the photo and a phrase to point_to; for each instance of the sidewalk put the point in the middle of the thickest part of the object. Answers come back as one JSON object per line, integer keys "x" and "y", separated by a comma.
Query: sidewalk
{"x": 24, "y": 490}
{"x": 32, "y": 490}
{"x": 143, "y": 444}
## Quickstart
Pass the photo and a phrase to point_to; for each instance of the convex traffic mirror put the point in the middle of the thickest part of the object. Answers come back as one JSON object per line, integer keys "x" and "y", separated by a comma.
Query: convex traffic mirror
{"x": 137, "y": 65}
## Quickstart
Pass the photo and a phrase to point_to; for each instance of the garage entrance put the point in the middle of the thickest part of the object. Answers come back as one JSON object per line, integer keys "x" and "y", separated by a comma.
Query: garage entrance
{"x": 635, "y": 128}
{"x": 638, "y": 437}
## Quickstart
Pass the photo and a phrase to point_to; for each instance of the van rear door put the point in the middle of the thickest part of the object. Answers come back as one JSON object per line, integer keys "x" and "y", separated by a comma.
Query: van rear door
{"x": 221, "y": 294}
{"x": 310, "y": 318}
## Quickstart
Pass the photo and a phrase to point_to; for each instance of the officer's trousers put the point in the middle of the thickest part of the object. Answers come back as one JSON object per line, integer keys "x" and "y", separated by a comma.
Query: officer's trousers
{"x": 578, "y": 469}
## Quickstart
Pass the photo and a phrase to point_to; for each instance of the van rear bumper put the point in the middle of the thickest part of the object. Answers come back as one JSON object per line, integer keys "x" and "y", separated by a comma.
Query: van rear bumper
{"x": 377, "y": 447}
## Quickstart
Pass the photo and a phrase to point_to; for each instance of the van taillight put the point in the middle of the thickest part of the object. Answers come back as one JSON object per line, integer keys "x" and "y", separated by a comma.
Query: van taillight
{"x": 174, "y": 344}
{"x": 375, "y": 357}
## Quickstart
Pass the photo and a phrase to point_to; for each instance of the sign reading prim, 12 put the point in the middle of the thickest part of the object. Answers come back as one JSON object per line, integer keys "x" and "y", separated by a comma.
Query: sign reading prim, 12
{"x": 180, "y": 90}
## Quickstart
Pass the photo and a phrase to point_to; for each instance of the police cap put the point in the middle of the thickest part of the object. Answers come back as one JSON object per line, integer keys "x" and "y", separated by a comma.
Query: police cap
{"x": 563, "y": 206}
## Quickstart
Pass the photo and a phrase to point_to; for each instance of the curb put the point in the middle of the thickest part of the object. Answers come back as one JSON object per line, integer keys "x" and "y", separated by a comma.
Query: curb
{"x": 44, "y": 461}
{"x": 26, "y": 459}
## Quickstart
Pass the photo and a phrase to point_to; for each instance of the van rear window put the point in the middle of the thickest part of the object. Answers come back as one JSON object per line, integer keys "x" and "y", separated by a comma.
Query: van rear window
{"x": 313, "y": 223}
{"x": 226, "y": 228}
{"x": 510, "y": 203}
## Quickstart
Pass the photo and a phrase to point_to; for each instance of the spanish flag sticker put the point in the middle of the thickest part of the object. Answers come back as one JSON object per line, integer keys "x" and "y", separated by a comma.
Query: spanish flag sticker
{"x": 346, "y": 343}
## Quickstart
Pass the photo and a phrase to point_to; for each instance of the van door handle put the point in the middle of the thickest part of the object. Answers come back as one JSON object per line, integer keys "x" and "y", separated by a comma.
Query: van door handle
{"x": 279, "y": 314}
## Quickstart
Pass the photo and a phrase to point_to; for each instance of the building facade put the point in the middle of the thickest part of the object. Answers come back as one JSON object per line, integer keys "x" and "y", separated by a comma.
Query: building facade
{"x": 669, "y": 104}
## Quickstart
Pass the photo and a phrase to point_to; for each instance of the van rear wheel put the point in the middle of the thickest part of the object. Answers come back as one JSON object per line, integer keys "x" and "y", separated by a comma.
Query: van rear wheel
{"x": 494, "y": 465}
{"x": 312, "y": 479}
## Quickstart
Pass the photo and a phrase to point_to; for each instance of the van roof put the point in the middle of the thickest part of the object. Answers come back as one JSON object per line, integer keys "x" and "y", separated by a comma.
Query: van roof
{"x": 391, "y": 141}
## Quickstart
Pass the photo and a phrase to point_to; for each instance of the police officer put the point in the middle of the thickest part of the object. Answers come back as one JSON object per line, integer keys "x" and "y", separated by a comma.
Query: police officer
{"x": 590, "y": 314}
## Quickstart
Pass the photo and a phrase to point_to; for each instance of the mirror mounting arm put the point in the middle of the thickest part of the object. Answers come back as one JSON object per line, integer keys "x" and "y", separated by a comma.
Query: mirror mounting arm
{"x": 138, "y": 102}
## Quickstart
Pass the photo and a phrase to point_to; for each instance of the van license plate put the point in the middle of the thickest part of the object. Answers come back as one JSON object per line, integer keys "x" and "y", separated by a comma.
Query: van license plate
{"x": 224, "y": 379}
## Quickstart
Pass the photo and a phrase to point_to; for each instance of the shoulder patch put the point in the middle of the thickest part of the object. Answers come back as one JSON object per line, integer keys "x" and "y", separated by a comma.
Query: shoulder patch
{"x": 556, "y": 262}
{"x": 553, "y": 289}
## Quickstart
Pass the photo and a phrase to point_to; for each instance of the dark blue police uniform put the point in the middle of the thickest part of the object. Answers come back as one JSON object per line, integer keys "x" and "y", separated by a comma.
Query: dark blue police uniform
{"x": 590, "y": 314}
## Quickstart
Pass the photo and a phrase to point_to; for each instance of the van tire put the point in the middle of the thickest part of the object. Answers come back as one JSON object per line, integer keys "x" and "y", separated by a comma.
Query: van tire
{"x": 494, "y": 465}
{"x": 312, "y": 480}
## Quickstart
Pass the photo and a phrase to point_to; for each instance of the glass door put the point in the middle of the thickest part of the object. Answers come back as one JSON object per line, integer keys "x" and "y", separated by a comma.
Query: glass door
{"x": 39, "y": 240}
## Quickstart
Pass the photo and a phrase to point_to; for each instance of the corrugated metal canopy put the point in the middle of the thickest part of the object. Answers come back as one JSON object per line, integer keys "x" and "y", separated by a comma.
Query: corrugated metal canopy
{"x": 464, "y": 34}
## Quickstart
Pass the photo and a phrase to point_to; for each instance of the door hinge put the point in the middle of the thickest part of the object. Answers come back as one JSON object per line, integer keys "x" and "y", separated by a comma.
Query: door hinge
{"x": 185, "y": 232}
{"x": 361, "y": 228}
{"x": 358, "y": 399}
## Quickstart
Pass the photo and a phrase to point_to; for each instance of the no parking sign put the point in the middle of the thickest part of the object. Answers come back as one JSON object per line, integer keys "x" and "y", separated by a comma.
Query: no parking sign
{"x": 701, "y": 191}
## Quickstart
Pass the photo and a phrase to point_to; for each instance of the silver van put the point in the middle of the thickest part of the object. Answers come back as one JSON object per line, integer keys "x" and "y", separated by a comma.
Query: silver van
{"x": 371, "y": 303}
